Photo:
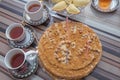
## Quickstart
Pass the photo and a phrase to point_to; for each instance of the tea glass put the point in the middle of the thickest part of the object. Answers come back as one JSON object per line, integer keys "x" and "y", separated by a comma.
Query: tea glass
{"x": 25, "y": 69}
{"x": 104, "y": 4}
{"x": 36, "y": 15}
{"x": 13, "y": 26}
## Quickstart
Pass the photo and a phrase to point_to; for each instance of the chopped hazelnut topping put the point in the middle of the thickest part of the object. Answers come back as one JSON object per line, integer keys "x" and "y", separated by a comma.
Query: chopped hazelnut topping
{"x": 89, "y": 41}
{"x": 91, "y": 55}
{"x": 94, "y": 35}
{"x": 81, "y": 50}
{"x": 96, "y": 50}
{"x": 45, "y": 42}
{"x": 50, "y": 47}
{"x": 74, "y": 29}
{"x": 63, "y": 47}
{"x": 85, "y": 35}
{"x": 56, "y": 25}
{"x": 52, "y": 40}
{"x": 63, "y": 24}
{"x": 89, "y": 47}
{"x": 64, "y": 51}
{"x": 73, "y": 44}
{"x": 91, "y": 66}
{"x": 80, "y": 31}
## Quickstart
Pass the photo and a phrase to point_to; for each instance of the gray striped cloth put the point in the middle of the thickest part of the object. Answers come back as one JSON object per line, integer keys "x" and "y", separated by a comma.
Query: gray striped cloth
{"x": 106, "y": 25}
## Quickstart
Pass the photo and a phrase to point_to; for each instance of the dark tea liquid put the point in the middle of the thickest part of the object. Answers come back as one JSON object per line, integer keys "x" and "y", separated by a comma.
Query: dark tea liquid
{"x": 16, "y": 32}
{"x": 104, "y": 4}
{"x": 17, "y": 60}
{"x": 34, "y": 7}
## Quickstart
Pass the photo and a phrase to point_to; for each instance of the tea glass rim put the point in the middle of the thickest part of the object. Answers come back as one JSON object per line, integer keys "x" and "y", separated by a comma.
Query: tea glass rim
{"x": 10, "y": 52}
{"x": 10, "y": 27}
{"x": 30, "y": 3}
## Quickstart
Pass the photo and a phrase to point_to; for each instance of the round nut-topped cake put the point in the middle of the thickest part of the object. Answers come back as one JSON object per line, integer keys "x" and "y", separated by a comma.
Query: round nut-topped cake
{"x": 69, "y": 50}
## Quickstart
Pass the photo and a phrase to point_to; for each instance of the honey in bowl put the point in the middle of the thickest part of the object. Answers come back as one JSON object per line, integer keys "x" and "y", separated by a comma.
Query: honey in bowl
{"x": 34, "y": 8}
{"x": 104, "y": 4}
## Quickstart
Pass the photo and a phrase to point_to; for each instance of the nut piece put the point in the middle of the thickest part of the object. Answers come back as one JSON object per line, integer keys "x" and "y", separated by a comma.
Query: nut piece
{"x": 73, "y": 45}
{"x": 74, "y": 29}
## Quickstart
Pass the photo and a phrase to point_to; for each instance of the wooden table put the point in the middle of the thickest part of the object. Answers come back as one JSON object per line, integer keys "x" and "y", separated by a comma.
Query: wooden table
{"x": 106, "y": 25}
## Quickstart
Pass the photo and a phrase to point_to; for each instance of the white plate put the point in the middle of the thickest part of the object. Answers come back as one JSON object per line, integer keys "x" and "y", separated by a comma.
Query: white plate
{"x": 113, "y": 6}
{"x": 24, "y": 43}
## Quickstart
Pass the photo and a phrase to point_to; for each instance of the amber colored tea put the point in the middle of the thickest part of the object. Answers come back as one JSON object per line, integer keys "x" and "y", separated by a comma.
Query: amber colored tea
{"x": 16, "y": 32}
{"x": 104, "y": 4}
{"x": 34, "y": 7}
{"x": 17, "y": 60}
